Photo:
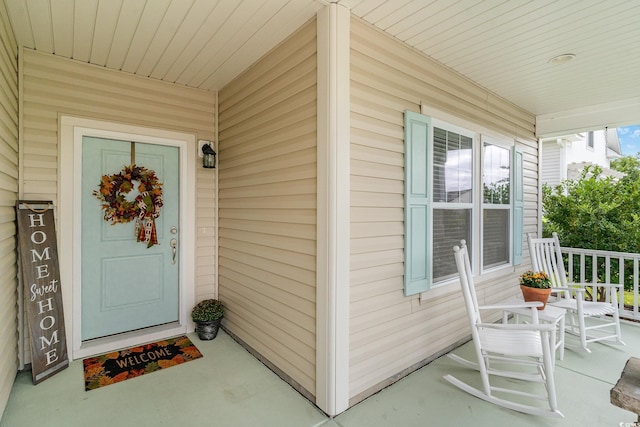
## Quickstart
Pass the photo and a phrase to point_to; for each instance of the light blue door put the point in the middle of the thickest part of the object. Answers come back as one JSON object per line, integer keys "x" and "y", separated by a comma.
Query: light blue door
{"x": 125, "y": 284}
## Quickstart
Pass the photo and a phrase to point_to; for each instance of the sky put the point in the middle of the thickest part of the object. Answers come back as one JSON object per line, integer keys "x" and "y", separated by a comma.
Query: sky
{"x": 629, "y": 140}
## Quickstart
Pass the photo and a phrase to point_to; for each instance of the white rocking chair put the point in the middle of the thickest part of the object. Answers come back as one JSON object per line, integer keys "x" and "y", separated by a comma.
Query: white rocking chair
{"x": 605, "y": 320}
{"x": 514, "y": 351}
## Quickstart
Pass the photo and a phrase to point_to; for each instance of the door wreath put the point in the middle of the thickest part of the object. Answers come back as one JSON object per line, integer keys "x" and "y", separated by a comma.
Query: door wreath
{"x": 145, "y": 208}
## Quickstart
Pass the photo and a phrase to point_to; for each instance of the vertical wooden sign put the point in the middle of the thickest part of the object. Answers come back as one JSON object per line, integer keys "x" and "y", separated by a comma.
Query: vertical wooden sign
{"x": 38, "y": 248}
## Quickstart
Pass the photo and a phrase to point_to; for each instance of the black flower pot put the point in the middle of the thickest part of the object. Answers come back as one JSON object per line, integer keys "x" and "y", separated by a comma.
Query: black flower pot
{"x": 208, "y": 330}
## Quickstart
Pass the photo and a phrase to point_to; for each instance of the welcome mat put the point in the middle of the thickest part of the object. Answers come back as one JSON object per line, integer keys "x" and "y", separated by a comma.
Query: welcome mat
{"x": 121, "y": 365}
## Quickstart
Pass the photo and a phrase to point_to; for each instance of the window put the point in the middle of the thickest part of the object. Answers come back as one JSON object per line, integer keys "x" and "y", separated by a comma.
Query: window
{"x": 452, "y": 195}
{"x": 496, "y": 205}
{"x": 458, "y": 185}
{"x": 590, "y": 140}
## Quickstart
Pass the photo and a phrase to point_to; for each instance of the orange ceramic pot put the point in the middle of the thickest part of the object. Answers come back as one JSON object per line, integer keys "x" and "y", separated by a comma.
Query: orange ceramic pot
{"x": 535, "y": 294}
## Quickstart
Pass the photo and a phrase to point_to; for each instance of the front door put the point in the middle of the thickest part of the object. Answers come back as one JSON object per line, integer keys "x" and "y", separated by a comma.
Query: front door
{"x": 128, "y": 284}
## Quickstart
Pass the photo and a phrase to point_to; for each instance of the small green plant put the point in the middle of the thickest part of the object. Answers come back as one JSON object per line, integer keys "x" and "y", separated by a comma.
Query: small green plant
{"x": 207, "y": 311}
{"x": 538, "y": 279}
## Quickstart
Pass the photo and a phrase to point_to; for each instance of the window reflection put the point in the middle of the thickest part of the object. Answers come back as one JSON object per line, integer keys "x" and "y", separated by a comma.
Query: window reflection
{"x": 452, "y": 167}
{"x": 495, "y": 175}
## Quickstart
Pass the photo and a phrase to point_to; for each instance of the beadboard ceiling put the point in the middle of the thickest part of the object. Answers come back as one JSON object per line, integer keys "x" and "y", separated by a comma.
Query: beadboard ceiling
{"x": 503, "y": 45}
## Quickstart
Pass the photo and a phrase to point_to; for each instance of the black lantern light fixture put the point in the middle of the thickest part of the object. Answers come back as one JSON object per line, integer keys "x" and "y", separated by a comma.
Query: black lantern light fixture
{"x": 208, "y": 157}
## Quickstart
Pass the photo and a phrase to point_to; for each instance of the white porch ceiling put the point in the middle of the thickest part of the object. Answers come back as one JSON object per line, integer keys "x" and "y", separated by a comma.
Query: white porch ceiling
{"x": 503, "y": 45}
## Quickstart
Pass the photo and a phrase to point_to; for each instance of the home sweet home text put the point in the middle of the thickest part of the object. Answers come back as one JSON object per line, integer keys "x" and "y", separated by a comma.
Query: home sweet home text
{"x": 43, "y": 294}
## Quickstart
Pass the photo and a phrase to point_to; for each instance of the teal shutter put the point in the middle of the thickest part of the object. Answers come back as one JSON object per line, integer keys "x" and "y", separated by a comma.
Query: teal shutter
{"x": 518, "y": 206}
{"x": 417, "y": 208}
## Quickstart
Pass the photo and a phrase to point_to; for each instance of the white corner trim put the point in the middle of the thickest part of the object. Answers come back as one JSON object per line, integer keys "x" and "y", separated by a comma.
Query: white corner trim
{"x": 333, "y": 203}
{"x": 216, "y": 226}
{"x": 22, "y": 322}
{"x": 71, "y": 130}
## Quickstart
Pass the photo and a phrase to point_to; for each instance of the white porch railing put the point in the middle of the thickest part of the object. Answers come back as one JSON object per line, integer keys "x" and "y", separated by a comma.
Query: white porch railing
{"x": 611, "y": 267}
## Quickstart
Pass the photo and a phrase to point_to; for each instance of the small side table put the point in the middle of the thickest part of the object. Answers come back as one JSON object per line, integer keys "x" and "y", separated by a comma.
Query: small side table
{"x": 550, "y": 314}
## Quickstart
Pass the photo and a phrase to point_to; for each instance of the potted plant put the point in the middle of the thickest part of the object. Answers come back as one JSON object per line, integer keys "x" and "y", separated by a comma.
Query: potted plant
{"x": 207, "y": 315}
{"x": 535, "y": 286}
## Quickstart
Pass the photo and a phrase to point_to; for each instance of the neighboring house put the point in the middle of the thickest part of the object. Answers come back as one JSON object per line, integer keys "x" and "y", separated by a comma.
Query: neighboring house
{"x": 565, "y": 157}
{"x": 331, "y": 274}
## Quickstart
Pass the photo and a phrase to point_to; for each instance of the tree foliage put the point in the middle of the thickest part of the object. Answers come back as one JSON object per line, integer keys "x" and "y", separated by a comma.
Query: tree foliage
{"x": 596, "y": 212}
{"x": 630, "y": 165}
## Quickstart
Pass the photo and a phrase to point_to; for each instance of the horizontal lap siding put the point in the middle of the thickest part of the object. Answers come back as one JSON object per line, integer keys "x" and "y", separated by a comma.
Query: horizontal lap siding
{"x": 268, "y": 206}
{"x": 54, "y": 85}
{"x": 8, "y": 197}
{"x": 390, "y": 333}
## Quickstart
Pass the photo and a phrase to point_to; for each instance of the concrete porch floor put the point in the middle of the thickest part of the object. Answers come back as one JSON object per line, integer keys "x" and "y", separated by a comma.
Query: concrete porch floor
{"x": 229, "y": 387}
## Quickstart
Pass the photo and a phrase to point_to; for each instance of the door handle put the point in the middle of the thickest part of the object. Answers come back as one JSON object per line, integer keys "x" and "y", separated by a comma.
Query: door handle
{"x": 174, "y": 244}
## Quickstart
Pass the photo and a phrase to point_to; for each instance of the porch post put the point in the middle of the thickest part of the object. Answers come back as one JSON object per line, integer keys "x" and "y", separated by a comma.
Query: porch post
{"x": 333, "y": 202}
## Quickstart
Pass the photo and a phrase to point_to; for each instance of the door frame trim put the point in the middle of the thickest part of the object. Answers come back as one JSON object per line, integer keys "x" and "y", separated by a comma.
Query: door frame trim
{"x": 71, "y": 131}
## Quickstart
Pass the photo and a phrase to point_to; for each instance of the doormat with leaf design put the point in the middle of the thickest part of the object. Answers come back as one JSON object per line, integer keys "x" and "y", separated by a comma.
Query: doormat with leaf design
{"x": 121, "y": 365}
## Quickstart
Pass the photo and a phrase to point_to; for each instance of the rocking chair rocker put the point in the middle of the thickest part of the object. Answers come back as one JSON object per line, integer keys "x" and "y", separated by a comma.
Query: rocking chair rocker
{"x": 514, "y": 351}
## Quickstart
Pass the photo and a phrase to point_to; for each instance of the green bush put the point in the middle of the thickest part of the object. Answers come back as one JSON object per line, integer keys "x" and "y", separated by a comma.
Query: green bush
{"x": 207, "y": 311}
{"x": 596, "y": 212}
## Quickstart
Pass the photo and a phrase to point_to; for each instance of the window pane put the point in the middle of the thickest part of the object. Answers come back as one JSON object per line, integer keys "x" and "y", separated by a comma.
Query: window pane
{"x": 495, "y": 174}
{"x": 495, "y": 241}
{"x": 452, "y": 167}
{"x": 439, "y": 159}
{"x": 449, "y": 227}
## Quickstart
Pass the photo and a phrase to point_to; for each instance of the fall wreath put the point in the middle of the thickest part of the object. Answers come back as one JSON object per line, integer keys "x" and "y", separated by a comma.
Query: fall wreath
{"x": 143, "y": 209}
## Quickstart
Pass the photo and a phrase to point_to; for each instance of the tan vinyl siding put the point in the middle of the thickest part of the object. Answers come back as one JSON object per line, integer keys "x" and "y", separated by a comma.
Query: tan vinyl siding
{"x": 55, "y": 86}
{"x": 268, "y": 206}
{"x": 8, "y": 197}
{"x": 390, "y": 333}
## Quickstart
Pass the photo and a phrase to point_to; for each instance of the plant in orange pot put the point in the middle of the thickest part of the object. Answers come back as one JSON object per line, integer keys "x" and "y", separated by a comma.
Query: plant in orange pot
{"x": 535, "y": 286}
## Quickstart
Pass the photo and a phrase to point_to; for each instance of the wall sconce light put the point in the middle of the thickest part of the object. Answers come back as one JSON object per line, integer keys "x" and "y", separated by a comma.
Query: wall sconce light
{"x": 208, "y": 157}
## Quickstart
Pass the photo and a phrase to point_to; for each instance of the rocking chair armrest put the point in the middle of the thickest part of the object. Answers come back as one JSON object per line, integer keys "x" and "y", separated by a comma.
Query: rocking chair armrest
{"x": 599, "y": 285}
{"x": 523, "y": 304}
{"x": 567, "y": 288}
{"x": 518, "y": 326}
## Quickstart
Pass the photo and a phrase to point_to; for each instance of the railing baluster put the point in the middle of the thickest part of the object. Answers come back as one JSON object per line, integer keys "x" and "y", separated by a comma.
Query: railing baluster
{"x": 594, "y": 277}
{"x": 607, "y": 276}
{"x": 621, "y": 282}
{"x": 635, "y": 288}
{"x": 570, "y": 266}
